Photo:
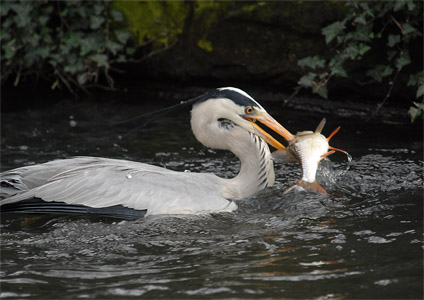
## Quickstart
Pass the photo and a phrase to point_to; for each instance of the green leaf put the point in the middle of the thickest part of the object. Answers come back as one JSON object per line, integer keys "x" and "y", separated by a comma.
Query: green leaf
{"x": 43, "y": 19}
{"x": 339, "y": 71}
{"x": 96, "y": 22}
{"x": 307, "y": 80}
{"x": 9, "y": 50}
{"x": 393, "y": 39}
{"x": 121, "y": 59}
{"x": 100, "y": 60}
{"x": 411, "y": 5}
{"x": 402, "y": 60}
{"x": 351, "y": 51}
{"x": 117, "y": 15}
{"x": 113, "y": 47}
{"x": 82, "y": 78}
{"x": 416, "y": 79}
{"x": 5, "y": 7}
{"x": 387, "y": 71}
{"x": 99, "y": 7}
{"x": 362, "y": 34}
{"x": 363, "y": 48}
{"x": 416, "y": 112}
{"x": 360, "y": 19}
{"x": 130, "y": 51}
{"x": 122, "y": 36}
{"x": 376, "y": 72}
{"x": 333, "y": 30}
{"x": 420, "y": 91}
{"x": 399, "y": 5}
{"x": 407, "y": 29}
{"x": 73, "y": 39}
{"x": 322, "y": 91}
{"x": 312, "y": 62}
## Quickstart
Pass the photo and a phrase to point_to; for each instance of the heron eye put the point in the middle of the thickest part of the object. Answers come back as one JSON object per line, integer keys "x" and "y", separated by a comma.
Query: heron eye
{"x": 249, "y": 110}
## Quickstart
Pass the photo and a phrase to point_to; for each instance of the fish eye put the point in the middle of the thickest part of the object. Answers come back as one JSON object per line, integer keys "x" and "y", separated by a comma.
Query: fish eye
{"x": 249, "y": 110}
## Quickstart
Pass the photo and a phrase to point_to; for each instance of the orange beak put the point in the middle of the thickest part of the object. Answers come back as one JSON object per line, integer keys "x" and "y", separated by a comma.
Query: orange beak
{"x": 271, "y": 123}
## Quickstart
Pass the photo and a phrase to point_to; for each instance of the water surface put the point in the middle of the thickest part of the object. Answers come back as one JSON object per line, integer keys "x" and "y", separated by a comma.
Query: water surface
{"x": 365, "y": 240}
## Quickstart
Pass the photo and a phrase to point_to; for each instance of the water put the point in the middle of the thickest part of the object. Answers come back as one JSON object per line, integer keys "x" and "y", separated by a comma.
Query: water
{"x": 365, "y": 240}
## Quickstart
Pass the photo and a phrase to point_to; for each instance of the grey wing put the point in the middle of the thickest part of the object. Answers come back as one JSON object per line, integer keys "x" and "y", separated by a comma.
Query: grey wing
{"x": 26, "y": 178}
{"x": 133, "y": 185}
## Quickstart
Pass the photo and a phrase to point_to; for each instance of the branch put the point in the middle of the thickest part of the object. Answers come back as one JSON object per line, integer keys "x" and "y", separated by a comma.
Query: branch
{"x": 389, "y": 92}
{"x": 296, "y": 91}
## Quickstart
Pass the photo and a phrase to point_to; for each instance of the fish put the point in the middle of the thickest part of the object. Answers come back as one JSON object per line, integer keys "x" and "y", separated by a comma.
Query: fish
{"x": 308, "y": 148}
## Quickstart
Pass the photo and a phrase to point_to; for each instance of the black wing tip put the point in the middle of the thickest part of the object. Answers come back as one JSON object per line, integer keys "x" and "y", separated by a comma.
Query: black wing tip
{"x": 38, "y": 206}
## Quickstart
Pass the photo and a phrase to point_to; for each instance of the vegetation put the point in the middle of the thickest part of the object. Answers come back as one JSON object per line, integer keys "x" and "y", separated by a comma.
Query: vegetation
{"x": 77, "y": 44}
{"x": 69, "y": 43}
{"x": 350, "y": 39}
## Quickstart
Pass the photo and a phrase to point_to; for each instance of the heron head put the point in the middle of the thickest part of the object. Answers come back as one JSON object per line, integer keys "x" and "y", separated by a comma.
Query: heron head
{"x": 240, "y": 108}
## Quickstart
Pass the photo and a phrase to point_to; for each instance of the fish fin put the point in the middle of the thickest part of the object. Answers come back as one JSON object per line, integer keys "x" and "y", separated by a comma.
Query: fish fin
{"x": 326, "y": 154}
{"x": 283, "y": 156}
{"x": 309, "y": 186}
{"x": 320, "y": 126}
{"x": 333, "y": 133}
{"x": 336, "y": 149}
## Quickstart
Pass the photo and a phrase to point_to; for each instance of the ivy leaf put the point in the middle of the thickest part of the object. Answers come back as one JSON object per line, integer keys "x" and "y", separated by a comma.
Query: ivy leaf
{"x": 420, "y": 91}
{"x": 122, "y": 36}
{"x": 117, "y": 15}
{"x": 43, "y": 20}
{"x": 312, "y": 62}
{"x": 402, "y": 60}
{"x": 363, "y": 48}
{"x": 100, "y": 60}
{"x": 411, "y": 5}
{"x": 333, "y": 30}
{"x": 399, "y": 5}
{"x": 416, "y": 112}
{"x": 407, "y": 29}
{"x": 360, "y": 19}
{"x": 113, "y": 46}
{"x": 376, "y": 72}
{"x": 9, "y": 50}
{"x": 362, "y": 34}
{"x": 393, "y": 39}
{"x": 82, "y": 78}
{"x": 339, "y": 71}
{"x": 416, "y": 79}
{"x": 96, "y": 22}
{"x": 387, "y": 71}
{"x": 351, "y": 51}
{"x": 307, "y": 80}
{"x": 321, "y": 90}
{"x": 98, "y": 8}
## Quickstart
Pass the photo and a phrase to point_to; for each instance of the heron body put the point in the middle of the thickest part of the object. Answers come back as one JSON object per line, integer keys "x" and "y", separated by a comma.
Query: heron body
{"x": 221, "y": 119}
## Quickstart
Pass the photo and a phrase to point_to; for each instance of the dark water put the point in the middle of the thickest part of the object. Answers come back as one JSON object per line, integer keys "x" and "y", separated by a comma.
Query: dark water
{"x": 364, "y": 241}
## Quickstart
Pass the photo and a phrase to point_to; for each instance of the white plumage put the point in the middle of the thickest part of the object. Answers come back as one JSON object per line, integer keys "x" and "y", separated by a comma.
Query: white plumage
{"x": 222, "y": 119}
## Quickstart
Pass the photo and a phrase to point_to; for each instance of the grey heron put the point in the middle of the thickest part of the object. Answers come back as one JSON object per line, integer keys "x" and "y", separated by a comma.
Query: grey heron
{"x": 223, "y": 118}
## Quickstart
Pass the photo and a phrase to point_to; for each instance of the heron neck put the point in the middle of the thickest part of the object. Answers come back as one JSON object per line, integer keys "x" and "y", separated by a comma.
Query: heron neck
{"x": 256, "y": 168}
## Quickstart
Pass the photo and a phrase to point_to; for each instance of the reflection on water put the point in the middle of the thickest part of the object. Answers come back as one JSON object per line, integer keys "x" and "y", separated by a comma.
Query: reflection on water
{"x": 362, "y": 241}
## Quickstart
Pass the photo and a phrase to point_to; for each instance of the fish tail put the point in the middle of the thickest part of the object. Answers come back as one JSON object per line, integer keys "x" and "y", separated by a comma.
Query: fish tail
{"x": 309, "y": 186}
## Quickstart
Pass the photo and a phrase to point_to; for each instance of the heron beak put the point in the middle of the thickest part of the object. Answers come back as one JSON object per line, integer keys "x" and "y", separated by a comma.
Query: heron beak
{"x": 271, "y": 123}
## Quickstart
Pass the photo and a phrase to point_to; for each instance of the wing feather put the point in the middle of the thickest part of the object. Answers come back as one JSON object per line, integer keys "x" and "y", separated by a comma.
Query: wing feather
{"x": 105, "y": 183}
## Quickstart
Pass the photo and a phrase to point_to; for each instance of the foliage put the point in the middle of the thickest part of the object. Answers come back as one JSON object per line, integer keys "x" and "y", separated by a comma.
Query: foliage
{"x": 67, "y": 42}
{"x": 76, "y": 43}
{"x": 395, "y": 23}
{"x": 157, "y": 23}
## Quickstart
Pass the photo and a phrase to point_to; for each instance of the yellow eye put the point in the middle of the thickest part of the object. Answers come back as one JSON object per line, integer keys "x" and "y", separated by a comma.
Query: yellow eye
{"x": 249, "y": 110}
